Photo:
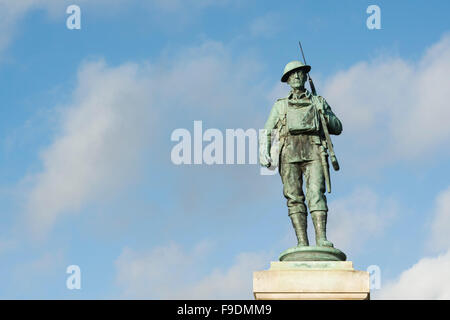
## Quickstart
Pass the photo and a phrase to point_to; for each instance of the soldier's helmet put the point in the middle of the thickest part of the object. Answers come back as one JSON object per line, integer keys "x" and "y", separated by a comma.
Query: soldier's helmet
{"x": 292, "y": 66}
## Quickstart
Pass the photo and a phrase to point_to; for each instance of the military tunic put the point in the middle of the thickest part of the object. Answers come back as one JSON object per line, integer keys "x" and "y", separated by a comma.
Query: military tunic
{"x": 301, "y": 152}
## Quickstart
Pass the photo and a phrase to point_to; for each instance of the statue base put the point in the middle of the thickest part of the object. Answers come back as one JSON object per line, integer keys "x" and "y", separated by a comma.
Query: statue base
{"x": 311, "y": 280}
{"x": 312, "y": 253}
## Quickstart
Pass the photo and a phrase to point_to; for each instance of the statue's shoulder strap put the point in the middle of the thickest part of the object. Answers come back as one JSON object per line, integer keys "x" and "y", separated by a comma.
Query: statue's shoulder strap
{"x": 283, "y": 106}
{"x": 318, "y": 99}
{"x": 282, "y": 120}
{"x": 315, "y": 99}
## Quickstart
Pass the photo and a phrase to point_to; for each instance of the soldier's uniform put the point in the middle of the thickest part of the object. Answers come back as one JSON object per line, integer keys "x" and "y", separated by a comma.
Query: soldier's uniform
{"x": 301, "y": 155}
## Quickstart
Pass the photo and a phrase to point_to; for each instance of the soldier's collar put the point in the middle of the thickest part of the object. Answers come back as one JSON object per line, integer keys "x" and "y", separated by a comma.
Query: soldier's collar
{"x": 304, "y": 94}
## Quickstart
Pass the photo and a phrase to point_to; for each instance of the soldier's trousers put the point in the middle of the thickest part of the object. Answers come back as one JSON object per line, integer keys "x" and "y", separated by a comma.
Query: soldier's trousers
{"x": 293, "y": 175}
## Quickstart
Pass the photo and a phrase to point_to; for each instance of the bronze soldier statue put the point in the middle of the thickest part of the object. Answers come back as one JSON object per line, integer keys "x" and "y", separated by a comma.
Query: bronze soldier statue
{"x": 302, "y": 157}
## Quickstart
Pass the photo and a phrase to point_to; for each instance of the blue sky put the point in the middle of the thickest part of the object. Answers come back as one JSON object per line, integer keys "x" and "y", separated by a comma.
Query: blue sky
{"x": 86, "y": 118}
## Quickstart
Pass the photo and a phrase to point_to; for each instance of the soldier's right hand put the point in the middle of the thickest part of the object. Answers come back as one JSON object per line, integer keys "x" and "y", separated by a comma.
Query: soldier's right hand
{"x": 265, "y": 160}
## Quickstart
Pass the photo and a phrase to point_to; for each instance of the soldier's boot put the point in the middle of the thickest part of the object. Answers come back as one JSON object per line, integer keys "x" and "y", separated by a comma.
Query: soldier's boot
{"x": 299, "y": 223}
{"x": 320, "y": 223}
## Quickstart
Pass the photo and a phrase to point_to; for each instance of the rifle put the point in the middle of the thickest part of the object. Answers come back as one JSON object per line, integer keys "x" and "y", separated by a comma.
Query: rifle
{"x": 333, "y": 158}
{"x": 325, "y": 128}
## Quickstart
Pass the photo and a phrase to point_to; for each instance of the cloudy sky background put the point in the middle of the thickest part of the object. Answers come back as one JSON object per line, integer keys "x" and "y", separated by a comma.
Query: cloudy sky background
{"x": 86, "y": 118}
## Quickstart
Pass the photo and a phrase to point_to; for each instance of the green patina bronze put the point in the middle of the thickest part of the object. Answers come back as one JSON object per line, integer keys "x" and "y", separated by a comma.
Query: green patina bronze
{"x": 302, "y": 122}
{"x": 312, "y": 253}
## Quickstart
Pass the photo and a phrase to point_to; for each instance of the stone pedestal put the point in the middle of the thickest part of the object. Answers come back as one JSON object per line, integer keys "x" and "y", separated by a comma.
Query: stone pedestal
{"x": 311, "y": 280}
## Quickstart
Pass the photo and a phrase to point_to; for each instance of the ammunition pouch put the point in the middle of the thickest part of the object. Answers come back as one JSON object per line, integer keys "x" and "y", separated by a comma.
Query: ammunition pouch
{"x": 302, "y": 119}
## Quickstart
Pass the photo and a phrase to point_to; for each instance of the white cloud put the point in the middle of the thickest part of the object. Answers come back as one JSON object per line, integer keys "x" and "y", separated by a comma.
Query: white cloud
{"x": 10, "y": 12}
{"x": 393, "y": 108}
{"x": 232, "y": 283}
{"x": 116, "y": 116}
{"x": 427, "y": 279}
{"x": 359, "y": 217}
{"x": 207, "y": 79}
{"x": 440, "y": 227}
{"x": 159, "y": 273}
{"x": 99, "y": 147}
{"x": 169, "y": 272}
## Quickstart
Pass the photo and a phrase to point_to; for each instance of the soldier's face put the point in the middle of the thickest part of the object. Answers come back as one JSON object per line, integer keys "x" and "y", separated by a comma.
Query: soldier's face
{"x": 297, "y": 79}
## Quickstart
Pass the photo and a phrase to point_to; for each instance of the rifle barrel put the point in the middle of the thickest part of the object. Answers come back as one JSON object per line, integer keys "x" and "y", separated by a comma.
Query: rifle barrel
{"x": 301, "y": 49}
